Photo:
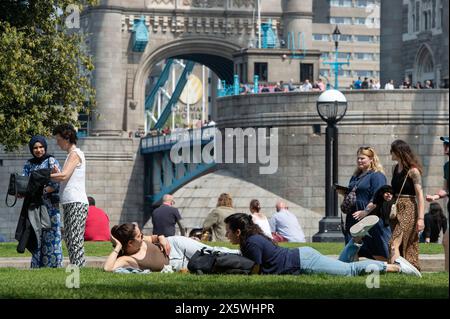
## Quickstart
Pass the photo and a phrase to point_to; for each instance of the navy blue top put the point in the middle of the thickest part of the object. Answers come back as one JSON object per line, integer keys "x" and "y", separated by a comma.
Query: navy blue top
{"x": 164, "y": 219}
{"x": 272, "y": 259}
{"x": 368, "y": 184}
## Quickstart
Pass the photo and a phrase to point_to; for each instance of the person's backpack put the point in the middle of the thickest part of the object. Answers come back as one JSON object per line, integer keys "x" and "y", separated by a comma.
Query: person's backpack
{"x": 206, "y": 261}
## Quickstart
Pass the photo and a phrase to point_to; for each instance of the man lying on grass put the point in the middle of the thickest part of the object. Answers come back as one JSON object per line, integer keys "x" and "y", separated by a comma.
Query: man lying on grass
{"x": 274, "y": 259}
{"x": 131, "y": 249}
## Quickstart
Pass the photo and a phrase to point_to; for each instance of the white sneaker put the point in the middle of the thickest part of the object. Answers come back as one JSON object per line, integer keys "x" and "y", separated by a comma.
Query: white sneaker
{"x": 361, "y": 228}
{"x": 407, "y": 268}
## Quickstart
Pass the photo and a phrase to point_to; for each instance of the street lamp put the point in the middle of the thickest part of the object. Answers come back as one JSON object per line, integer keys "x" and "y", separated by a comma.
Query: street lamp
{"x": 336, "y": 37}
{"x": 331, "y": 106}
{"x": 336, "y": 64}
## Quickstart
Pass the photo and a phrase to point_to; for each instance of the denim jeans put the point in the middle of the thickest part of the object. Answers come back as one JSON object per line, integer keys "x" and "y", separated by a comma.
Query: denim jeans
{"x": 183, "y": 248}
{"x": 350, "y": 252}
{"x": 313, "y": 262}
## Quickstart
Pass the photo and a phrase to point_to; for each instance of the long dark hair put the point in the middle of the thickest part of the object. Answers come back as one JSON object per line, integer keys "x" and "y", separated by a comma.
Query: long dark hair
{"x": 405, "y": 155}
{"x": 255, "y": 205}
{"x": 245, "y": 224}
{"x": 124, "y": 233}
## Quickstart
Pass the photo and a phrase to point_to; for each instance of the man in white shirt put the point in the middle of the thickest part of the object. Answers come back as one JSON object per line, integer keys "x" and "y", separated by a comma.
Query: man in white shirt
{"x": 306, "y": 87}
{"x": 389, "y": 85}
{"x": 286, "y": 224}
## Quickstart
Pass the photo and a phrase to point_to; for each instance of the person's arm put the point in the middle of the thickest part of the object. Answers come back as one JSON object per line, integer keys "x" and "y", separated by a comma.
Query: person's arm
{"x": 112, "y": 258}
{"x": 273, "y": 224}
{"x": 161, "y": 239}
{"x": 53, "y": 186}
{"x": 442, "y": 193}
{"x": 182, "y": 230}
{"x": 178, "y": 219}
{"x": 417, "y": 180}
{"x": 69, "y": 166}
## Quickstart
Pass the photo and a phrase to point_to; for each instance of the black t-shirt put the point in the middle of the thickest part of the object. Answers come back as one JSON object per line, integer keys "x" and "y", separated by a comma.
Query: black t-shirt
{"x": 397, "y": 181}
{"x": 164, "y": 219}
{"x": 273, "y": 259}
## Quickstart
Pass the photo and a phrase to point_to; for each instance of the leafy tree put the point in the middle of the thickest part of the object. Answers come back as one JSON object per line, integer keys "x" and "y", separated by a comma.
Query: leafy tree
{"x": 44, "y": 70}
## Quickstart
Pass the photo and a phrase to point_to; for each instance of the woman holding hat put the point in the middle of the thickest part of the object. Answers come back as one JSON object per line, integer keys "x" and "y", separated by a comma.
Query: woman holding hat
{"x": 49, "y": 253}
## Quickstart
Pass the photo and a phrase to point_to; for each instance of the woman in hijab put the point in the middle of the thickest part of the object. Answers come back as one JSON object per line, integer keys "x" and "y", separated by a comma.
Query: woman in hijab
{"x": 49, "y": 253}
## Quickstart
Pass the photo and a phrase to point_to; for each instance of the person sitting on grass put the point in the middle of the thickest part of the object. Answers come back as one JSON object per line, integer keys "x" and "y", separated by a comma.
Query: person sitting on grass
{"x": 273, "y": 259}
{"x": 131, "y": 249}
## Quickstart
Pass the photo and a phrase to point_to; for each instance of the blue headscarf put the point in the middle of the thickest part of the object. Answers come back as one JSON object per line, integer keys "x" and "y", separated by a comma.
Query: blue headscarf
{"x": 35, "y": 139}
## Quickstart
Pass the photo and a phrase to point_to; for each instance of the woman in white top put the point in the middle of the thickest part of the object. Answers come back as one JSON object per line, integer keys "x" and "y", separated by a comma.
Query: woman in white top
{"x": 259, "y": 218}
{"x": 73, "y": 194}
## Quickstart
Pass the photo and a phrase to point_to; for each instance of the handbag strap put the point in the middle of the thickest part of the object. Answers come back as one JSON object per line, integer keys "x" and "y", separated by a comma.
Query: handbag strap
{"x": 401, "y": 189}
{"x": 359, "y": 181}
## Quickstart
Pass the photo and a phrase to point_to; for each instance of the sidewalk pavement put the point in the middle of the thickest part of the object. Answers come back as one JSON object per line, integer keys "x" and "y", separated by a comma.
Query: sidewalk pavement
{"x": 429, "y": 263}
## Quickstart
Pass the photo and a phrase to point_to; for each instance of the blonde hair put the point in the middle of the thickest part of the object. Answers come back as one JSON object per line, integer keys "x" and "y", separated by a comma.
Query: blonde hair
{"x": 225, "y": 200}
{"x": 375, "y": 165}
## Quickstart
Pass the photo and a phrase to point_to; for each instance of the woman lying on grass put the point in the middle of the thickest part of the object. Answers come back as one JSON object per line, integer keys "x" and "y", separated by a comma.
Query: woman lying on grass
{"x": 134, "y": 250}
{"x": 274, "y": 259}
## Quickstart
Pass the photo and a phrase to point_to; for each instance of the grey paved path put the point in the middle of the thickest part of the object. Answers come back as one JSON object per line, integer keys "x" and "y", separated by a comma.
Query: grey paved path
{"x": 429, "y": 263}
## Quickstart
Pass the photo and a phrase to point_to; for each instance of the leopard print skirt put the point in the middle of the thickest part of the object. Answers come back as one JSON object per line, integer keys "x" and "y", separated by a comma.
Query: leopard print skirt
{"x": 404, "y": 227}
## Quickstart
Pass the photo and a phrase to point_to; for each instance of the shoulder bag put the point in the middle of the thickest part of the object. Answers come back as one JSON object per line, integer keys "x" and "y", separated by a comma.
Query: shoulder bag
{"x": 18, "y": 186}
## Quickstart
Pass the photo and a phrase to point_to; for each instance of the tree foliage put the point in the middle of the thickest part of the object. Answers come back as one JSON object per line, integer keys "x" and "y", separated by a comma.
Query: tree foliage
{"x": 44, "y": 69}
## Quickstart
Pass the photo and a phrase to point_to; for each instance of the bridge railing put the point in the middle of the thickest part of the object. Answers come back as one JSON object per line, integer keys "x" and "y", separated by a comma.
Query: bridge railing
{"x": 150, "y": 144}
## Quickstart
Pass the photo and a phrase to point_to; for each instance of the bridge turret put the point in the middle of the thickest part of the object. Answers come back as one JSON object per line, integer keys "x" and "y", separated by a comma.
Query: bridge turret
{"x": 297, "y": 17}
{"x": 105, "y": 44}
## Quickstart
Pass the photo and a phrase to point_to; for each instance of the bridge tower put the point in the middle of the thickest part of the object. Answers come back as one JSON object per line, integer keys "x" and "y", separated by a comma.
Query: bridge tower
{"x": 298, "y": 17}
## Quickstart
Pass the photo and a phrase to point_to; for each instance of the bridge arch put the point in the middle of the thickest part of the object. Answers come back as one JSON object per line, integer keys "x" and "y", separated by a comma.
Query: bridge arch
{"x": 216, "y": 54}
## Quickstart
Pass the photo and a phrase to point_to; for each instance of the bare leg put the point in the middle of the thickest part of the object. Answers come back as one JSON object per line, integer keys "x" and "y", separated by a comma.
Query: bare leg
{"x": 392, "y": 268}
{"x": 395, "y": 249}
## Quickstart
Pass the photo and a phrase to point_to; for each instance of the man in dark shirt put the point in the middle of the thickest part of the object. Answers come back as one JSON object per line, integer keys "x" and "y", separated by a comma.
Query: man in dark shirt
{"x": 165, "y": 217}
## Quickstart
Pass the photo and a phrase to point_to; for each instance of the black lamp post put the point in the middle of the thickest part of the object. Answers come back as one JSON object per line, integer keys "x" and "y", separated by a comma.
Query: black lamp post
{"x": 331, "y": 106}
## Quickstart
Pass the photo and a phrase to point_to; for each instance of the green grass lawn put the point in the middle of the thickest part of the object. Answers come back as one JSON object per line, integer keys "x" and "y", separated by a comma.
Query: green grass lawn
{"x": 104, "y": 248}
{"x": 96, "y": 284}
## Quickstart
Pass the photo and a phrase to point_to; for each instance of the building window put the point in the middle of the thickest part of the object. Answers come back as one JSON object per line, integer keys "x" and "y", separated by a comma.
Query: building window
{"x": 324, "y": 72}
{"x": 341, "y": 20}
{"x": 345, "y": 73}
{"x": 364, "y": 56}
{"x": 364, "y": 38}
{"x": 346, "y": 38}
{"x": 360, "y": 21}
{"x": 364, "y": 3}
{"x": 433, "y": 17}
{"x": 261, "y": 70}
{"x": 321, "y": 37}
{"x": 324, "y": 55}
{"x": 364, "y": 73}
{"x": 306, "y": 72}
{"x": 341, "y": 3}
{"x": 417, "y": 20}
{"x": 342, "y": 55}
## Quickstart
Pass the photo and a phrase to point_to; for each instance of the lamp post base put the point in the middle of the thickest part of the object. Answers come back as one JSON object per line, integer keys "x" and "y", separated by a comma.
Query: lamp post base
{"x": 329, "y": 231}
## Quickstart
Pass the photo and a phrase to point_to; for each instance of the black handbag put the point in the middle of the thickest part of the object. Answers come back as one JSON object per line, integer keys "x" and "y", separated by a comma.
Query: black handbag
{"x": 206, "y": 261}
{"x": 18, "y": 186}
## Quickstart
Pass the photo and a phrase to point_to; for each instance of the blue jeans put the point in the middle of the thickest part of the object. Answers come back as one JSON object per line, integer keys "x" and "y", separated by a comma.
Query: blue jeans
{"x": 313, "y": 262}
{"x": 350, "y": 252}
